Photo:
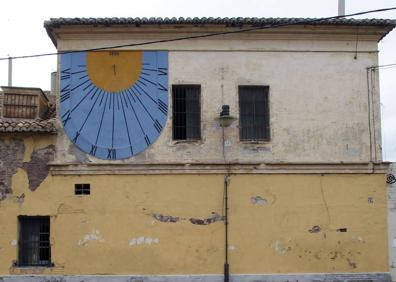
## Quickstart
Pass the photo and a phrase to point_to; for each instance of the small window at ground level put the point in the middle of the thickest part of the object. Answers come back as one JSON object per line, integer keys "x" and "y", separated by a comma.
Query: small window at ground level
{"x": 34, "y": 241}
{"x": 186, "y": 112}
{"x": 82, "y": 189}
{"x": 254, "y": 113}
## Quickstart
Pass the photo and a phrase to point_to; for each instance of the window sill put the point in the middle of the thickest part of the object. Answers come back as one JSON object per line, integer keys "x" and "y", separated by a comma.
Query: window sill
{"x": 38, "y": 266}
{"x": 255, "y": 142}
{"x": 195, "y": 141}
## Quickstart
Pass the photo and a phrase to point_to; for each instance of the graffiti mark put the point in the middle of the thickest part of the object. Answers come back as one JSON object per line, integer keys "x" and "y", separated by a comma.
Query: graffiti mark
{"x": 390, "y": 179}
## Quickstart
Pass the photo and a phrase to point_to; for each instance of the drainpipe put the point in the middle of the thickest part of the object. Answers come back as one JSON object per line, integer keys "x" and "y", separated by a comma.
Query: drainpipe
{"x": 226, "y": 265}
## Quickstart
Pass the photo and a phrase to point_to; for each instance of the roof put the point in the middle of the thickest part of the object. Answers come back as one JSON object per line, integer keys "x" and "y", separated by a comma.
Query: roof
{"x": 46, "y": 124}
{"x": 53, "y": 23}
{"x": 24, "y": 90}
{"x": 57, "y": 22}
{"x": 26, "y": 125}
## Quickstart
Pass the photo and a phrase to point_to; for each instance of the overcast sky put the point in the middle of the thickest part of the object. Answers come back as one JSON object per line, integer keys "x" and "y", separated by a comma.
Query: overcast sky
{"x": 22, "y": 33}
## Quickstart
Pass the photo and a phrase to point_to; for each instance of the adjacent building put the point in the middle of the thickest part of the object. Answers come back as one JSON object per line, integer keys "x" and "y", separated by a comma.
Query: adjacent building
{"x": 194, "y": 149}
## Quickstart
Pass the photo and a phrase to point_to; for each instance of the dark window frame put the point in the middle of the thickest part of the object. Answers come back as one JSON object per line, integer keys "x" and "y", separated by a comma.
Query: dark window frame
{"x": 81, "y": 189}
{"x": 254, "y": 121}
{"x": 186, "y": 124}
{"x": 34, "y": 244}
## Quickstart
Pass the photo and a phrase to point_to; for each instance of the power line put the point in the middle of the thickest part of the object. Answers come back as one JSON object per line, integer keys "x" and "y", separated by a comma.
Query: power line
{"x": 303, "y": 21}
{"x": 387, "y": 66}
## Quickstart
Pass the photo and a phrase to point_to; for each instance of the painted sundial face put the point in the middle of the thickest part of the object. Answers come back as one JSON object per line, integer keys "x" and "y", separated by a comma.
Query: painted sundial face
{"x": 114, "y": 104}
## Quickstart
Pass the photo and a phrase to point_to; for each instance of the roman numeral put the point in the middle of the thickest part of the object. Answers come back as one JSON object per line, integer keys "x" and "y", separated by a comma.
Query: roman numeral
{"x": 67, "y": 118}
{"x": 162, "y": 107}
{"x": 93, "y": 150}
{"x": 76, "y": 137}
{"x": 65, "y": 74}
{"x": 157, "y": 126}
{"x": 65, "y": 93}
{"x": 111, "y": 154}
{"x": 162, "y": 88}
{"x": 148, "y": 142}
{"x": 162, "y": 71}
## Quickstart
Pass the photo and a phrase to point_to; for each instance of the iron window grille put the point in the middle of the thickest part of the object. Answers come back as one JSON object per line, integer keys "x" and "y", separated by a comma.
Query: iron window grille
{"x": 186, "y": 112}
{"x": 82, "y": 189}
{"x": 254, "y": 122}
{"x": 34, "y": 241}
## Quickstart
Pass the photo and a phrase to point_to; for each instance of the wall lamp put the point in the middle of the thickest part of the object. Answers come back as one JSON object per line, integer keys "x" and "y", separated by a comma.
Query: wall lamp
{"x": 225, "y": 120}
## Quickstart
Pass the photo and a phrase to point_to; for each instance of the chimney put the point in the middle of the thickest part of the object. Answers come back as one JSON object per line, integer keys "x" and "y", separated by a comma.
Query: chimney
{"x": 54, "y": 76}
{"x": 341, "y": 7}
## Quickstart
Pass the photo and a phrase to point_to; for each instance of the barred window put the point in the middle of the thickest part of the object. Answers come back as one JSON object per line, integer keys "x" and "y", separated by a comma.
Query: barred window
{"x": 186, "y": 112}
{"x": 82, "y": 189}
{"x": 254, "y": 113}
{"x": 34, "y": 241}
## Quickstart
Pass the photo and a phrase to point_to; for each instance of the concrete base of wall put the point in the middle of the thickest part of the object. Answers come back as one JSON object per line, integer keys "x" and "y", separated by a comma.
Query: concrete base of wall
{"x": 301, "y": 277}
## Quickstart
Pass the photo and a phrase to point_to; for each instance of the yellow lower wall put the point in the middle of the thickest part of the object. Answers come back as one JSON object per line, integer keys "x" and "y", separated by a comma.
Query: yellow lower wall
{"x": 118, "y": 228}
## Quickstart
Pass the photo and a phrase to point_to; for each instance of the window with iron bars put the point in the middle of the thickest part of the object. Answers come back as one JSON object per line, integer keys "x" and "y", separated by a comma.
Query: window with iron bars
{"x": 186, "y": 112}
{"x": 254, "y": 122}
{"x": 34, "y": 241}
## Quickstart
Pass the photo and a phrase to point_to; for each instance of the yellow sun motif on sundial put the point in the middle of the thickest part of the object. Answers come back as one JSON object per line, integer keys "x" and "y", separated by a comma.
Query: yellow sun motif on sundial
{"x": 114, "y": 71}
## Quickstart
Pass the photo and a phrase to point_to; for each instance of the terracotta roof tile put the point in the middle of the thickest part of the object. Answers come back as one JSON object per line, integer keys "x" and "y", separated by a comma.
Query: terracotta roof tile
{"x": 26, "y": 125}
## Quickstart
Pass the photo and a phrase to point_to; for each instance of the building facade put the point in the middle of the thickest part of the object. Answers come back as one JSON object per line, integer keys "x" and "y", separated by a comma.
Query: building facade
{"x": 140, "y": 178}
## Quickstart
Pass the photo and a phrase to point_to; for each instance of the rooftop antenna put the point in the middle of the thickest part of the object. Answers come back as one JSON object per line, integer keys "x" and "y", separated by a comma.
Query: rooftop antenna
{"x": 341, "y": 7}
{"x": 9, "y": 71}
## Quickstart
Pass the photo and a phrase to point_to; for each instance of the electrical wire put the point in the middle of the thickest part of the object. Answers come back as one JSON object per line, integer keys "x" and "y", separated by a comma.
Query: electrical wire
{"x": 387, "y": 66}
{"x": 303, "y": 21}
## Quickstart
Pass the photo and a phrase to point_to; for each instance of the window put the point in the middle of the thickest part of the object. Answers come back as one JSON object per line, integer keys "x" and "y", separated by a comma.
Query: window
{"x": 34, "y": 241}
{"x": 186, "y": 112}
{"x": 82, "y": 189}
{"x": 254, "y": 113}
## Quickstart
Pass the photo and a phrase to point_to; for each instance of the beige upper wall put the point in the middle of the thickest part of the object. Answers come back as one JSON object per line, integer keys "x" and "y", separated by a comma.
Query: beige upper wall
{"x": 318, "y": 93}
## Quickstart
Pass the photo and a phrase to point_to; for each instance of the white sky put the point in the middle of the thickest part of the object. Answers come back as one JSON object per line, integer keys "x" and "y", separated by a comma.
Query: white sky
{"x": 22, "y": 33}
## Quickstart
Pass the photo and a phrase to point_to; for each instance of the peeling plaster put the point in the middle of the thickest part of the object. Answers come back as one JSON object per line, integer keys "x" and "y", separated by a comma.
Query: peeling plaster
{"x": 11, "y": 156}
{"x": 93, "y": 236}
{"x": 314, "y": 229}
{"x": 143, "y": 241}
{"x": 258, "y": 200}
{"x": 37, "y": 169}
{"x": 196, "y": 221}
{"x": 206, "y": 221}
{"x": 166, "y": 218}
{"x": 279, "y": 247}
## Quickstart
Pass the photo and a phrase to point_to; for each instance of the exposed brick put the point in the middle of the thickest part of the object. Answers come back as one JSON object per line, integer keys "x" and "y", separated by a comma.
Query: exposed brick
{"x": 11, "y": 157}
{"x": 37, "y": 169}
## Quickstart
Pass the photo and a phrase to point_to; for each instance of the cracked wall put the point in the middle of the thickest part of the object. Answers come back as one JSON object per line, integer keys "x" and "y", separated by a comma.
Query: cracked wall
{"x": 11, "y": 157}
{"x": 15, "y": 154}
{"x": 277, "y": 223}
